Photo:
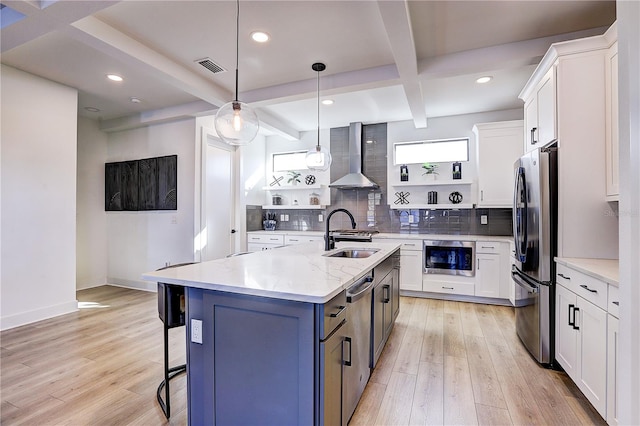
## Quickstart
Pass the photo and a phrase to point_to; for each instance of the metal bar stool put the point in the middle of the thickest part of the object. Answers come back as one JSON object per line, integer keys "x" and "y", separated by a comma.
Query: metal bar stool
{"x": 171, "y": 310}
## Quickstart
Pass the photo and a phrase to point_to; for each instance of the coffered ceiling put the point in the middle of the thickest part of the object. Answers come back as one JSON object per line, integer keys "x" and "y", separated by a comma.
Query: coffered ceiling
{"x": 386, "y": 60}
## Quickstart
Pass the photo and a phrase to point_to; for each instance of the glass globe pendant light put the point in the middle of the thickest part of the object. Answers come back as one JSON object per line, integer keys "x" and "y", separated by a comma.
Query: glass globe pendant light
{"x": 318, "y": 157}
{"x": 236, "y": 123}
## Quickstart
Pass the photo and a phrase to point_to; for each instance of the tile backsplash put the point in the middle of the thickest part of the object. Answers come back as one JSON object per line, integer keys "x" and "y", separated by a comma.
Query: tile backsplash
{"x": 370, "y": 208}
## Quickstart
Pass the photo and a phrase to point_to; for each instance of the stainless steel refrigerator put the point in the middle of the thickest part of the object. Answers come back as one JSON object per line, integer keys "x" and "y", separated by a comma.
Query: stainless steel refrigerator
{"x": 535, "y": 235}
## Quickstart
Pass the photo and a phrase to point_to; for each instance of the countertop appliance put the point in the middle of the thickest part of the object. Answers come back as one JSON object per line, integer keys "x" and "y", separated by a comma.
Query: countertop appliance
{"x": 358, "y": 344}
{"x": 449, "y": 257}
{"x": 535, "y": 237}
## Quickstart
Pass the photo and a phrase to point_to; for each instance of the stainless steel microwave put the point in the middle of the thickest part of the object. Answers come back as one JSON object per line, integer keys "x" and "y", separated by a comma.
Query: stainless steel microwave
{"x": 449, "y": 257}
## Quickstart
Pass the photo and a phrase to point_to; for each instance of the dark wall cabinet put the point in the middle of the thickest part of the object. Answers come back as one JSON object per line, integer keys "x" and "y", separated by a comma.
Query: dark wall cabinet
{"x": 147, "y": 184}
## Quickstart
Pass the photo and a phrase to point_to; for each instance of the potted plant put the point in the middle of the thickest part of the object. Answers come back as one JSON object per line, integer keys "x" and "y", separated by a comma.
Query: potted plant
{"x": 294, "y": 177}
{"x": 431, "y": 170}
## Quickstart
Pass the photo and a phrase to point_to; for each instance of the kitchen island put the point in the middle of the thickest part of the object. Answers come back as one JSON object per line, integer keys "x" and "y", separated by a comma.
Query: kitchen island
{"x": 265, "y": 336}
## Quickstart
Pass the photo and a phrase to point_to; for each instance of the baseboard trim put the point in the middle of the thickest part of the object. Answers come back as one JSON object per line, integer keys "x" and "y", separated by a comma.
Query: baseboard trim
{"x": 456, "y": 297}
{"x": 24, "y": 318}
{"x": 134, "y": 285}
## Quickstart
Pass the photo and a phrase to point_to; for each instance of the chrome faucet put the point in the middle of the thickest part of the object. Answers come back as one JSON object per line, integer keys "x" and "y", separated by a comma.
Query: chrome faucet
{"x": 329, "y": 242}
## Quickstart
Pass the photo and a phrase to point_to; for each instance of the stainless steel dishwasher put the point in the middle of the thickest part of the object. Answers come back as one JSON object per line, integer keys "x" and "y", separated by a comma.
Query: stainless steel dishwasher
{"x": 357, "y": 344}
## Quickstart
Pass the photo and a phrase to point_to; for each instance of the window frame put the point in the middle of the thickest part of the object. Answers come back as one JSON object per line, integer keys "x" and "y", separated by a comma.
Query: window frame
{"x": 431, "y": 141}
{"x": 274, "y": 154}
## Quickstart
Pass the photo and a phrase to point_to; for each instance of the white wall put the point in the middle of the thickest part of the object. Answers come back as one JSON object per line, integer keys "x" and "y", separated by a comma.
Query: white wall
{"x": 38, "y": 259}
{"x": 455, "y": 126}
{"x": 91, "y": 221}
{"x": 139, "y": 242}
{"x": 629, "y": 125}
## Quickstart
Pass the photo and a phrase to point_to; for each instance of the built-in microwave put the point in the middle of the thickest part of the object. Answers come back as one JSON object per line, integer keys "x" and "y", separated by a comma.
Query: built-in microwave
{"x": 449, "y": 257}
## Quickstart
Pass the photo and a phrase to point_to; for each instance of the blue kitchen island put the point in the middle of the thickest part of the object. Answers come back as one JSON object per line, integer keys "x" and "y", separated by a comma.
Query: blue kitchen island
{"x": 269, "y": 336}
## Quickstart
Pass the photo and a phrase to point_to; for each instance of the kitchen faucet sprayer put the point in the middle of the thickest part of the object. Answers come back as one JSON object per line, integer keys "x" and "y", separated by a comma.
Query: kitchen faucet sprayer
{"x": 329, "y": 242}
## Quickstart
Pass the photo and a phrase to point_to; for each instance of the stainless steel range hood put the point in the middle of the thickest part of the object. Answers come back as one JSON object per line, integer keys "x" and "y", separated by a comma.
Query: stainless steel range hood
{"x": 355, "y": 179}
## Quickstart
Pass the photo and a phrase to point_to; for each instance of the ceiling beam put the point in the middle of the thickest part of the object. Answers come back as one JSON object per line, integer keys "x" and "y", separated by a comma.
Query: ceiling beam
{"x": 40, "y": 21}
{"x": 397, "y": 23}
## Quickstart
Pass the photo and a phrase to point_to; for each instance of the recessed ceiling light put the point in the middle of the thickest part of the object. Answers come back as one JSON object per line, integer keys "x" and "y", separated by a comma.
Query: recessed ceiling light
{"x": 135, "y": 100}
{"x": 485, "y": 79}
{"x": 327, "y": 102}
{"x": 260, "y": 36}
{"x": 114, "y": 77}
{"x": 92, "y": 109}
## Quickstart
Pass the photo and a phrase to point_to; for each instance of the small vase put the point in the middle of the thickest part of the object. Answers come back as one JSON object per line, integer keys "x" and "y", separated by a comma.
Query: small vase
{"x": 430, "y": 177}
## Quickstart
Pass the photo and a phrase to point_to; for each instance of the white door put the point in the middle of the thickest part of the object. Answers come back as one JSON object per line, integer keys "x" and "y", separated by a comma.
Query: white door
{"x": 218, "y": 200}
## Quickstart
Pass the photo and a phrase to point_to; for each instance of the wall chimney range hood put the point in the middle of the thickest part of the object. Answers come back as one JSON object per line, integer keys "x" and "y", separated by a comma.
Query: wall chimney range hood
{"x": 355, "y": 179}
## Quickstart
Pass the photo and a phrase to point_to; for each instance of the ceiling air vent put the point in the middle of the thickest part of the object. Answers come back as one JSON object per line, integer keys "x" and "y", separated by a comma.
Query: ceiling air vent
{"x": 210, "y": 65}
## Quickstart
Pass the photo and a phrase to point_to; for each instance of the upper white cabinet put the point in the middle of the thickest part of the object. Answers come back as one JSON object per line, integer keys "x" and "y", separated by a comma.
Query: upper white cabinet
{"x": 611, "y": 138}
{"x": 540, "y": 113}
{"x": 499, "y": 145}
{"x": 570, "y": 87}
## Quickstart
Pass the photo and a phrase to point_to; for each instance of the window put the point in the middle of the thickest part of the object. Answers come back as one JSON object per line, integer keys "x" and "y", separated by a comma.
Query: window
{"x": 434, "y": 151}
{"x": 285, "y": 161}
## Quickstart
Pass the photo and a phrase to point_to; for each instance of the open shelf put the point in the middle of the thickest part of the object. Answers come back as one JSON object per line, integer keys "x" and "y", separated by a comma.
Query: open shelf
{"x": 432, "y": 183}
{"x": 292, "y": 207}
{"x": 293, "y": 187}
{"x": 430, "y": 206}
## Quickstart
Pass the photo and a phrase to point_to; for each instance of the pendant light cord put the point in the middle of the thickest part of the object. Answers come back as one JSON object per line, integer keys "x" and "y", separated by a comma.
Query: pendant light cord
{"x": 237, "y": 43}
{"x": 318, "y": 146}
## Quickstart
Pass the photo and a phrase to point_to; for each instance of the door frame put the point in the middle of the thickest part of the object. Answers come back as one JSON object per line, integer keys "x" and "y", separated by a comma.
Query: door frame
{"x": 209, "y": 136}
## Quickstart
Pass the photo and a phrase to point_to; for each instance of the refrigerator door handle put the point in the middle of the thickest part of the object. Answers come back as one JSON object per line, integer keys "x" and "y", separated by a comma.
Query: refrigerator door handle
{"x": 520, "y": 212}
{"x": 522, "y": 282}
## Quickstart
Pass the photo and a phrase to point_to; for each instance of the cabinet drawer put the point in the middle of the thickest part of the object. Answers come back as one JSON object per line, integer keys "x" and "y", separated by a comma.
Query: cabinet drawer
{"x": 614, "y": 299}
{"x": 589, "y": 288}
{"x": 266, "y": 238}
{"x": 490, "y": 247}
{"x": 411, "y": 245}
{"x": 449, "y": 287}
{"x": 300, "y": 239}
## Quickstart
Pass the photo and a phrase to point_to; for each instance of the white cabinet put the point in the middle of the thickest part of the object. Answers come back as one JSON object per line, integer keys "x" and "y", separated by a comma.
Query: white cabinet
{"x": 410, "y": 264}
{"x": 266, "y": 241}
{"x": 540, "y": 113}
{"x": 499, "y": 146}
{"x": 581, "y": 333}
{"x": 611, "y": 137}
{"x": 612, "y": 356}
{"x": 569, "y": 88}
{"x": 301, "y": 239}
{"x": 488, "y": 269}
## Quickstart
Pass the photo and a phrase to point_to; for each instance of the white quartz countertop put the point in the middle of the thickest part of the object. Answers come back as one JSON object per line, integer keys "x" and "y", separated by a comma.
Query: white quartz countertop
{"x": 299, "y": 272}
{"x": 602, "y": 269}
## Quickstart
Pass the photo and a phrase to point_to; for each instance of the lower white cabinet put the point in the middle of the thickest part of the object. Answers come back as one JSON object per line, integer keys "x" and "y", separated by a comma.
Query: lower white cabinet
{"x": 612, "y": 370}
{"x": 487, "y": 275}
{"x": 581, "y": 339}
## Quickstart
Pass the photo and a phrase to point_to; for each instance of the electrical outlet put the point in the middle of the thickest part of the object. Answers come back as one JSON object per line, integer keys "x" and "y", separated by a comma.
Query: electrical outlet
{"x": 320, "y": 218}
{"x": 196, "y": 331}
{"x": 483, "y": 219}
{"x": 286, "y": 218}
{"x": 281, "y": 218}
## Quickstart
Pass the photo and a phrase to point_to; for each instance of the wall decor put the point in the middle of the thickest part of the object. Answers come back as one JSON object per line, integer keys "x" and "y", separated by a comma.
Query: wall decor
{"x": 404, "y": 173}
{"x": 455, "y": 197}
{"x": 402, "y": 198}
{"x": 309, "y": 179}
{"x": 138, "y": 185}
{"x": 276, "y": 181}
{"x": 432, "y": 197}
{"x": 457, "y": 170}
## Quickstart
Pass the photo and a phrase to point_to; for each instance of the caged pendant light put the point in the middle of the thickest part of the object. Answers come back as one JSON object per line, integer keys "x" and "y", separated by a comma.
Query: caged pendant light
{"x": 318, "y": 157}
{"x": 236, "y": 122}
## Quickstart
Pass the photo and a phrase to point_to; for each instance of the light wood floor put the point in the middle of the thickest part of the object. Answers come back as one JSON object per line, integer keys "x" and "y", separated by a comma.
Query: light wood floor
{"x": 445, "y": 363}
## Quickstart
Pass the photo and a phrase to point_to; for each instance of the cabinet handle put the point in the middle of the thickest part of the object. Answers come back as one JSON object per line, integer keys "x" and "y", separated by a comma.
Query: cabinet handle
{"x": 588, "y": 289}
{"x": 571, "y": 308}
{"x": 344, "y": 361}
{"x": 616, "y": 303}
{"x": 533, "y": 131}
{"x": 340, "y": 310}
{"x": 386, "y": 293}
{"x": 487, "y": 247}
{"x": 575, "y": 325}
{"x": 447, "y": 288}
{"x": 293, "y": 239}
{"x": 478, "y": 265}
{"x": 481, "y": 195}
{"x": 274, "y": 239}
{"x": 564, "y": 276}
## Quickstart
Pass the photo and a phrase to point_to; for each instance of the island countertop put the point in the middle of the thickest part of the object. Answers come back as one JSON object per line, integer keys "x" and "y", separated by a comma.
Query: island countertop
{"x": 299, "y": 273}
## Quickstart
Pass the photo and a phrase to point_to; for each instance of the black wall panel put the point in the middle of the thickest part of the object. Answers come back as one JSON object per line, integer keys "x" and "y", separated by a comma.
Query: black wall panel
{"x": 147, "y": 184}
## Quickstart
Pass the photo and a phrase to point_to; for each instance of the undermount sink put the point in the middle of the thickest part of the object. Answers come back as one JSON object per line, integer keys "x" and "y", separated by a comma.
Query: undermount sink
{"x": 353, "y": 253}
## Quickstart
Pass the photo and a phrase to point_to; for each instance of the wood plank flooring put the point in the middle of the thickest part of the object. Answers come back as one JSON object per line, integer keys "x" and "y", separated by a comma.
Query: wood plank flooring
{"x": 445, "y": 363}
